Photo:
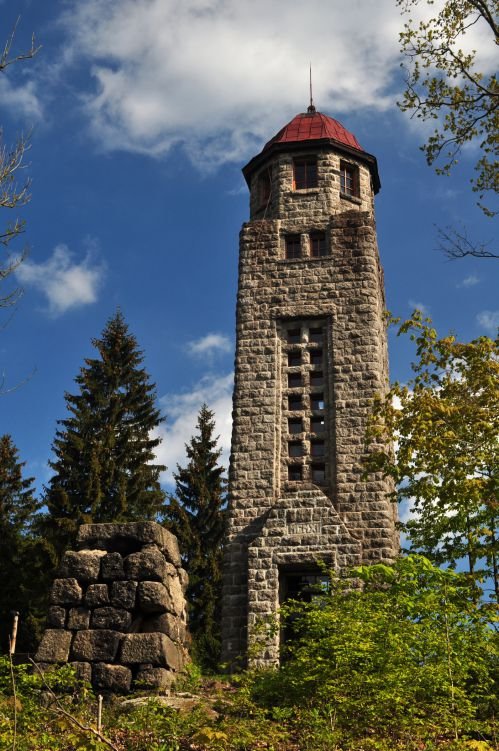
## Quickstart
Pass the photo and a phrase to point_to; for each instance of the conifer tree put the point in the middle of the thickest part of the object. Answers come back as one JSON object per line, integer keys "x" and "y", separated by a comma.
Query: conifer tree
{"x": 196, "y": 516}
{"x": 18, "y": 552}
{"x": 104, "y": 466}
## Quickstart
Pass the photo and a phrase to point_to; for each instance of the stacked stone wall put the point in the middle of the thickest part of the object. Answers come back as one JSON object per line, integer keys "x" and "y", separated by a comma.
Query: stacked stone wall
{"x": 117, "y": 609}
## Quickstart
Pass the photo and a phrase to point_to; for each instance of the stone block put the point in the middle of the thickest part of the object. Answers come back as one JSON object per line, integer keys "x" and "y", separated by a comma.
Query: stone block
{"x": 176, "y": 595}
{"x": 95, "y": 645}
{"x": 129, "y": 537}
{"x": 154, "y": 678}
{"x": 97, "y": 595}
{"x": 148, "y": 565}
{"x": 116, "y": 619}
{"x": 83, "y": 565}
{"x": 54, "y": 646}
{"x": 83, "y": 671}
{"x": 78, "y": 619}
{"x": 153, "y": 597}
{"x": 184, "y": 579}
{"x": 123, "y": 594}
{"x": 157, "y": 650}
{"x": 56, "y": 616}
{"x": 112, "y": 567}
{"x": 65, "y": 592}
{"x": 168, "y": 624}
{"x": 115, "y": 678}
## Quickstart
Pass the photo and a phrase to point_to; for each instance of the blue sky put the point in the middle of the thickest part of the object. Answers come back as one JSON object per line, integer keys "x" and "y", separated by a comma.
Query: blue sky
{"x": 142, "y": 114}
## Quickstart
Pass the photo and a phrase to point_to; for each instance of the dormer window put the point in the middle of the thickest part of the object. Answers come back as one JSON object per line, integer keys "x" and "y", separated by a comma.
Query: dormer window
{"x": 349, "y": 179}
{"x": 304, "y": 173}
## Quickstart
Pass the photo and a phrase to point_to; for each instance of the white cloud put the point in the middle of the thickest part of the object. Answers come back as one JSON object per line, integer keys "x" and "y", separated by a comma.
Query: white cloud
{"x": 216, "y": 77}
{"x": 209, "y": 345}
{"x": 415, "y": 305}
{"x": 469, "y": 281}
{"x": 489, "y": 320}
{"x": 21, "y": 100}
{"x": 65, "y": 283}
{"x": 182, "y": 410}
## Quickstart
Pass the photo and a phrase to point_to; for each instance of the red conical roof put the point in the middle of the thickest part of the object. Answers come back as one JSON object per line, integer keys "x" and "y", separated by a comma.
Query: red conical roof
{"x": 312, "y": 126}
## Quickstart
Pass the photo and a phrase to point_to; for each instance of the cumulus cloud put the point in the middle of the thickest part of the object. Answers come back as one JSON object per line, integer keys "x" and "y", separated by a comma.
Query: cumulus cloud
{"x": 489, "y": 320}
{"x": 182, "y": 410}
{"x": 209, "y": 345}
{"x": 469, "y": 281}
{"x": 215, "y": 77}
{"x": 64, "y": 282}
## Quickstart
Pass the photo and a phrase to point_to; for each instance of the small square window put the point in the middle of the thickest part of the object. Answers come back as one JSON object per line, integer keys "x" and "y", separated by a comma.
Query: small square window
{"x": 293, "y": 246}
{"x": 318, "y": 448}
{"x": 293, "y": 336}
{"x": 316, "y": 356}
{"x": 294, "y": 472}
{"x": 316, "y": 378}
{"x": 316, "y": 334}
{"x": 317, "y": 401}
{"x": 295, "y": 448}
{"x": 294, "y": 359}
{"x": 304, "y": 173}
{"x": 349, "y": 179}
{"x": 317, "y": 424}
{"x": 318, "y": 472}
{"x": 294, "y": 402}
{"x": 295, "y": 425}
{"x": 294, "y": 380}
{"x": 318, "y": 246}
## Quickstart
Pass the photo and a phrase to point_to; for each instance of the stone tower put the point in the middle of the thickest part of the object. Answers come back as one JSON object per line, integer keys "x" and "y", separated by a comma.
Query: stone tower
{"x": 311, "y": 354}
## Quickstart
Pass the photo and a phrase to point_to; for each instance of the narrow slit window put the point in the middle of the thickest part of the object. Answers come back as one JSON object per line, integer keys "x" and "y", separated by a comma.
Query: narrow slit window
{"x": 294, "y": 472}
{"x": 304, "y": 173}
{"x": 293, "y": 246}
{"x": 318, "y": 472}
{"x": 295, "y": 402}
{"x": 316, "y": 378}
{"x": 294, "y": 359}
{"x": 295, "y": 425}
{"x": 295, "y": 448}
{"x": 317, "y": 401}
{"x": 318, "y": 246}
{"x": 316, "y": 357}
{"x": 317, "y": 424}
{"x": 264, "y": 187}
{"x": 318, "y": 448}
{"x": 316, "y": 334}
{"x": 294, "y": 380}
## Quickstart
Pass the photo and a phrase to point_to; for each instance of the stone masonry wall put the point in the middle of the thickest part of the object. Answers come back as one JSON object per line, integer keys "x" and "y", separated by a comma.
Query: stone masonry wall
{"x": 117, "y": 609}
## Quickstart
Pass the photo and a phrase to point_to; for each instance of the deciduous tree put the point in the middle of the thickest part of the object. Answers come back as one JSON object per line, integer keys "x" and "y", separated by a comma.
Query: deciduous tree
{"x": 196, "y": 516}
{"x": 445, "y": 423}
{"x": 104, "y": 465}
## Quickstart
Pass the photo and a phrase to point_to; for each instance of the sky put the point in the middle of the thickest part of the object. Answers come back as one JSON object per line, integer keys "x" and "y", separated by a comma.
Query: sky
{"x": 142, "y": 114}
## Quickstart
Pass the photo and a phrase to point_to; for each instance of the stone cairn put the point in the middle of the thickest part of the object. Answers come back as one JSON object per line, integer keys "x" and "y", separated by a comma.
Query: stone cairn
{"x": 117, "y": 611}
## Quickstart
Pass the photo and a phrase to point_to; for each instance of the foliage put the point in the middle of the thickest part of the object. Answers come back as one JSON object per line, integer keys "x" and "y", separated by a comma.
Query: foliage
{"x": 196, "y": 517}
{"x": 20, "y": 553}
{"x": 444, "y": 81}
{"x": 446, "y": 425}
{"x": 104, "y": 451}
{"x": 404, "y": 659}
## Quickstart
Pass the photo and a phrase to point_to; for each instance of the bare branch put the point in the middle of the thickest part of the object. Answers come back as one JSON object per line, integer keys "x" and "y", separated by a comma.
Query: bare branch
{"x": 456, "y": 244}
{"x": 5, "y": 57}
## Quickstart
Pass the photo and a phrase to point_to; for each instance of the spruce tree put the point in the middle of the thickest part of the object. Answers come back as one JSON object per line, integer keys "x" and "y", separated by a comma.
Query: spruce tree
{"x": 18, "y": 551}
{"x": 196, "y": 516}
{"x": 104, "y": 468}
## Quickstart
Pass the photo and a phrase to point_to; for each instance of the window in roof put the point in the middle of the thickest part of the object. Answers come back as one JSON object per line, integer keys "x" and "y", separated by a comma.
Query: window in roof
{"x": 304, "y": 173}
{"x": 349, "y": 179}
{"x": 293, "y": 246}
{"x": 318, "y": 246}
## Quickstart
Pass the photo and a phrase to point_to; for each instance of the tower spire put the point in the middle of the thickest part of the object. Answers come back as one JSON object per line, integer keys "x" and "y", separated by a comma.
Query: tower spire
{"x": 311, "y": 107}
